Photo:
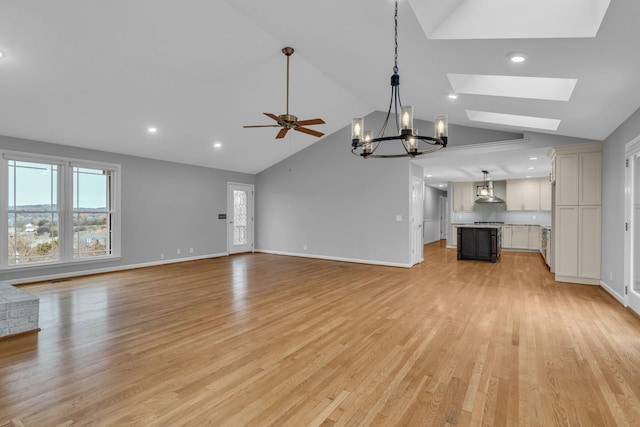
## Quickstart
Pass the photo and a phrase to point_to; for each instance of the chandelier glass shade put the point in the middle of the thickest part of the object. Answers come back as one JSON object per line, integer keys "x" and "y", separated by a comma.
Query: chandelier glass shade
{"x": 408, "y": 143}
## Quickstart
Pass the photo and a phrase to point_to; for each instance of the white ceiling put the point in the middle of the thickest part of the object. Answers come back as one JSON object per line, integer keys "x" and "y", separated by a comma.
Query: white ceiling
{"x": 97, "y": 74}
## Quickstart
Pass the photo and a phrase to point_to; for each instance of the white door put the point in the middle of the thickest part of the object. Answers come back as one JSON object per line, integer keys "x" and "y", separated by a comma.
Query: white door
{"x": 632, "y": 238}
{"x": 443, "y": 217}
{"x": 239, "y": 218}
{"x": 417, "y": 217}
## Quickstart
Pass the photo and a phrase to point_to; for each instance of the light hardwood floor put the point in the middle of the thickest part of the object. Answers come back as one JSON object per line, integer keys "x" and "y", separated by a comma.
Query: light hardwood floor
{"x": 261, "y": 340}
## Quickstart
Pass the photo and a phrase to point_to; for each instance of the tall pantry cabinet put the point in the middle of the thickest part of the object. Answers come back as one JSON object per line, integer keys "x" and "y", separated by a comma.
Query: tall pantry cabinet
{"x": 576, "y": 171}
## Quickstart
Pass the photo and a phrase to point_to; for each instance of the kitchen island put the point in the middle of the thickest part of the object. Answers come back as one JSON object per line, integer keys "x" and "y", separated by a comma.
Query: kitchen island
{"x": 479, "y": 242}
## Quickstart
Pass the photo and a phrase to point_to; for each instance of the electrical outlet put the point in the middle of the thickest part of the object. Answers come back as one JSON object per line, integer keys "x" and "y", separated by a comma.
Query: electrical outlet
{"x": 190, "y": 250}
{"x": 161, "y": 256}
{"x": 611, "y": 275}
{"x": 178, "y": 252}
{"x": 304, "y": 247}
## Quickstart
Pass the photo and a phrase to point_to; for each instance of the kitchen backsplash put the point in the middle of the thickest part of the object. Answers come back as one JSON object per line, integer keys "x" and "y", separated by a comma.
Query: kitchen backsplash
{"x": 488, "y": 213}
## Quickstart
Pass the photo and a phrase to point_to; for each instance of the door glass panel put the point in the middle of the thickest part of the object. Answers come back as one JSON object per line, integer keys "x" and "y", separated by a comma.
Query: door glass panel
{"x": 239, "y": 217}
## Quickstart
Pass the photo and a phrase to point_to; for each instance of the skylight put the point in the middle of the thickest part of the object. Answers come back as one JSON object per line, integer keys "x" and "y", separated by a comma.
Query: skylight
{"x": 547, "y": 88}
{"x": 509, "y": 19}
{"x": 513, "y": 120}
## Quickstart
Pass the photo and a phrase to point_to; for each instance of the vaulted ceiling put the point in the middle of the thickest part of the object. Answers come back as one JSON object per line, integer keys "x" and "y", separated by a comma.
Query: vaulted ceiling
{"x": 99, "y": 74}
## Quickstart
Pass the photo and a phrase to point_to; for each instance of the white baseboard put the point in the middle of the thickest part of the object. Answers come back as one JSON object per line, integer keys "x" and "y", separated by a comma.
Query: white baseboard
{"x": 66, "y": 275}
{"x": 613, "y": 293}
{"x": 578, "y": 280}
{"x": 332, "y": 258}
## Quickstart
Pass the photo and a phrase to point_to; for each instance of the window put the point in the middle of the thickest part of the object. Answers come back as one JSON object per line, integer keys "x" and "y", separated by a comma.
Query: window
{"x": 57, "y": 210}
{"x": 92, "y": 212}
{"x": 33, "y": 215}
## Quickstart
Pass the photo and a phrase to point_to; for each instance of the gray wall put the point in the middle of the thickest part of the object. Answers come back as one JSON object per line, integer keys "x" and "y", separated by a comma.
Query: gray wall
{"x": 613, "y": 202}
{"x": 335, "y": 203}
{"x": 340, "y": 205}
{"x": 165, "y": 206}
{"x": 432, "y": 202}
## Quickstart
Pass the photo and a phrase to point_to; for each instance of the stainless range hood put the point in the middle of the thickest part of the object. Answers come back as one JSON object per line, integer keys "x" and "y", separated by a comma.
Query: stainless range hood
{"x": 484, "y": 193}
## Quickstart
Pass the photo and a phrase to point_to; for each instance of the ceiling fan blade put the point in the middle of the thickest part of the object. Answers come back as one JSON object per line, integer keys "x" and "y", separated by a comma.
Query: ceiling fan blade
{"x": 262, "y": 126}
{"x": 282, "y": 133}
{"x": 309, "y": 131}
{"x": 276, "y": 118}
{"x": 311, "y": 122}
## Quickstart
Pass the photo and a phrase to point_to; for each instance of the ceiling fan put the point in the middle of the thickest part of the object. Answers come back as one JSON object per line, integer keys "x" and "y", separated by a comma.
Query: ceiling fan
{"x": 287, "y": 121}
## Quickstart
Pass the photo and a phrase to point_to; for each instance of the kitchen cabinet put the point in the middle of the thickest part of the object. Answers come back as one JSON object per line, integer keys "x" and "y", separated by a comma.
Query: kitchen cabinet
{"x": 506, "y": 236}
{"x": 566, "y": 241}
{"x": 578, "y": 179}
{"x": 578, "y": 213}
{"x": 534, "y": 237}
{"x": 590, "y": 179}
{"x": 524, "y": 237}
{"x": 545, "y": 195}
{"x": 454, "y": 235}
{"x": 527, "y": 194}
{"x": 520, "y": 236}
{"x": 463, "y": 196}
{"x": 589, "y": 223}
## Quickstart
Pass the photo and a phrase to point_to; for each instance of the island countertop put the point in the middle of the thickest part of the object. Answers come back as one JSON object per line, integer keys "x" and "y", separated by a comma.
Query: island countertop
{"x": 478, "y": 225}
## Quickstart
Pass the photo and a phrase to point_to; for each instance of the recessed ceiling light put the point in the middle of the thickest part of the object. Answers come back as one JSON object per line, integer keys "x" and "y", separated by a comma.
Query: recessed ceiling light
{"x": 453, "y": 96}
{"x": 1, "y": 54}
{"x": 429, "y": 176}
{"x": 533, "y": 158}
{"x": 217, "y": 144}
{"x": 528, "y": 176}
{"x": 531, "y": 168}
{"x": 152, "y": 129}
{"x": 517, "y": 57}
{"x": 441, "y": 185}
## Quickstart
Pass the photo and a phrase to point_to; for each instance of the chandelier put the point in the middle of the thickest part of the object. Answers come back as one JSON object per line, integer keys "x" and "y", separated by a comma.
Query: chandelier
{"x": 407, "y": 137}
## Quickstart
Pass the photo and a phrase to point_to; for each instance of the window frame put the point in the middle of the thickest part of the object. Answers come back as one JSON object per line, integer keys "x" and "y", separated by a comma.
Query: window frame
{"x": 65, "y": 190}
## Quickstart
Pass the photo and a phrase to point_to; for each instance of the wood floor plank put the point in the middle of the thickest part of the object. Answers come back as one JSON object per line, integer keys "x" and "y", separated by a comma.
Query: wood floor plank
{"x": 268, "y": 340}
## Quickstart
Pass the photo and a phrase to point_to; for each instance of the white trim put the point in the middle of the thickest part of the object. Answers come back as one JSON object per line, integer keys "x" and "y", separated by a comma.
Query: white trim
{"x": 39, "y": 158}
{"x": 48, "y": 277}
{"x": 332, "y": 258}
{"x": 578, "y": 280}
{"x": 65, "y": 207}
{"x": 251, "y": 231}
{"x": 484, "y": 147}
{"x": 631, "y": 149}
{"x": 613, "y": 293}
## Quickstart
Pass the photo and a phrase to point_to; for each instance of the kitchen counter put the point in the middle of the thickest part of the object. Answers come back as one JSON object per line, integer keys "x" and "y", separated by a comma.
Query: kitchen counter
{"x": 479, "y": 225}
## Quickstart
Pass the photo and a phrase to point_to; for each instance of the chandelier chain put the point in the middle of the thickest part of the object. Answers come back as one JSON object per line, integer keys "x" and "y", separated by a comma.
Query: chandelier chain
{"x": 395, "y": 68}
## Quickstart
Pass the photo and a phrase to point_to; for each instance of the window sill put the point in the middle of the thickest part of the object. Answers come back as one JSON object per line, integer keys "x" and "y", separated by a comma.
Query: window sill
{"x": 40, "y": 266}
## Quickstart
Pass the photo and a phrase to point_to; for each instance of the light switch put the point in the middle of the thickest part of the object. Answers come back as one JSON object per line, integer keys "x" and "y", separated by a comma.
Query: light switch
{"x": 398, "y": 218}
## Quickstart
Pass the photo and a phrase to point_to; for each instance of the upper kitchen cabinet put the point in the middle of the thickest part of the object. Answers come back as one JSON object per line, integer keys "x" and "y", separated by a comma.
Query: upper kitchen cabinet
{"x": 532, "y": 194}
{"x": 590, "y": 179}
{"x": 463, "y": 196}
{"x": 545, "y": 195}
{"x": 578, "y": 176}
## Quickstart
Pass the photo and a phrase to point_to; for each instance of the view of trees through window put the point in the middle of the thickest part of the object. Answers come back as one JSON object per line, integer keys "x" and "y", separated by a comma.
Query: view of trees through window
{"x": 36, "y": 215}
{"x": 33, "y": 212}
{"x": 91, "y": 212}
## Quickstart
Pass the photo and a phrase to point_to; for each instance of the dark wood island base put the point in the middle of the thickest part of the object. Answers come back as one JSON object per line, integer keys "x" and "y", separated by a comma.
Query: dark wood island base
{"x": 479, "y": 242}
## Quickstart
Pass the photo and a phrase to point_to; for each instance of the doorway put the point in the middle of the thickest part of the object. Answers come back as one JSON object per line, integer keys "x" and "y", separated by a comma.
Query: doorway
{"x": 443, "y": 218}
{"x": 239, "y": 218}
{"x": 417, "y": 218}
{"x": 632, "y": 219}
